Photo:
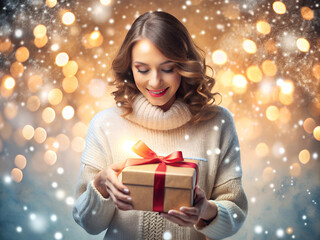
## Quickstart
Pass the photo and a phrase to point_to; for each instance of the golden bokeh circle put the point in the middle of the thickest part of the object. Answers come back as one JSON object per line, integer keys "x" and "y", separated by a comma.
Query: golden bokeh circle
{"x": 309, "y": 124}
{"x": 28, "y": 132}
{"x": 262, "y": 149}
{"x": 304, "y": 156}
{"x": 16, "y": 175}
{"x": 20, "y": 161}
{"x": 40, "y": 135}
{"x": 50, "y": 157}
{"x": 22, "y": 54}
{"x": 33, "y": 103}
{"x": 70, "y": 84}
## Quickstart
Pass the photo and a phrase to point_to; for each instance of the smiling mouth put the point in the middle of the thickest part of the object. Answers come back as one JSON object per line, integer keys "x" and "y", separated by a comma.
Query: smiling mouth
{"x": 157, "y": 91}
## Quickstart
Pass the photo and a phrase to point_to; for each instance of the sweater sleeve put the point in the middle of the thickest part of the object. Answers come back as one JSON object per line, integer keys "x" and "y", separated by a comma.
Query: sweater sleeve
{"x": 91, "y": 210}
{"x": 227, "y": 193}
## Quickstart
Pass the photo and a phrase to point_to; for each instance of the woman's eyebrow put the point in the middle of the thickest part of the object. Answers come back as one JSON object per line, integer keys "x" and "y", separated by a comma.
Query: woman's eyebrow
{"x": 147, "y": 64}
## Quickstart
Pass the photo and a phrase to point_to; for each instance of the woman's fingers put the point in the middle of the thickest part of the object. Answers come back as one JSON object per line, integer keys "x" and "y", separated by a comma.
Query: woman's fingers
{"x": 120, "y": 204}
{"x": 183, "y": 216}
{"x": 190, "y": 210}
{"x": 112, "y": 177}
{"x": 176, "y": 220}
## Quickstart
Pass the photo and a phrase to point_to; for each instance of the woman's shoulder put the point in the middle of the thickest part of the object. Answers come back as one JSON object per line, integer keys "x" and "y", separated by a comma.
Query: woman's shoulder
{"x": 105, "y": 116}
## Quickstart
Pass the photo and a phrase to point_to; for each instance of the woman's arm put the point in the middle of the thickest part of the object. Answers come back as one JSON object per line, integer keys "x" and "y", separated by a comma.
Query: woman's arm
{"x": 91, "y": 210}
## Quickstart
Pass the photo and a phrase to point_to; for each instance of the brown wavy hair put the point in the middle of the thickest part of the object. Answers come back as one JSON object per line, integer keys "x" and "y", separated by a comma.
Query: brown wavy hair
{"x": 171, "y": 37}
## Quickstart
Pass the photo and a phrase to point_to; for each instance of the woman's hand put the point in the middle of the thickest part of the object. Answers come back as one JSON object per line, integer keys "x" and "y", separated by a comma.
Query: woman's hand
{"x": 188, "y": 216}
{"x": 108, "y": 184}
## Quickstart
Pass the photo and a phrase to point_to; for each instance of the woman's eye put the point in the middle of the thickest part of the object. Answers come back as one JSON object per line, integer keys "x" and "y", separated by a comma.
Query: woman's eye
{"x": 143, "y": 71}
{"x": 167, "y": 70}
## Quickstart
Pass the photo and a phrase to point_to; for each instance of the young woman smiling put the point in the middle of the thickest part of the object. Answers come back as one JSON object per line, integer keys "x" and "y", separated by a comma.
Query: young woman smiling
{"x": 164, "y": 98}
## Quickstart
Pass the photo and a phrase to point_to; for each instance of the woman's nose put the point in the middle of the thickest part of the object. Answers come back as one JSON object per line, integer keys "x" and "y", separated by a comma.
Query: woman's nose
{"x": 155, "y": 80}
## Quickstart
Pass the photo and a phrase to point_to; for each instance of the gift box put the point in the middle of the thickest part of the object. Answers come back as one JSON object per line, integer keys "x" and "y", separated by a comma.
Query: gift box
{"x": 179, "y": 185}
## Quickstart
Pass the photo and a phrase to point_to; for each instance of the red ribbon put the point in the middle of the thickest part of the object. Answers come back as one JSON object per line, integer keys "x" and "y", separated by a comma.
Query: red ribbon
{"x": 174, "y": 159}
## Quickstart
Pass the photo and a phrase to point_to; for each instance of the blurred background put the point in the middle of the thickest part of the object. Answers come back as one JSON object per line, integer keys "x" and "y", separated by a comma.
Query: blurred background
{"x": 55, "y": 59}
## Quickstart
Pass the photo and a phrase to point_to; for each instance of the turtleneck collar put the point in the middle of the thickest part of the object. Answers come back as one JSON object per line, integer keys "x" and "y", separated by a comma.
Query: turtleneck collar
{"x": 153, "y": 117}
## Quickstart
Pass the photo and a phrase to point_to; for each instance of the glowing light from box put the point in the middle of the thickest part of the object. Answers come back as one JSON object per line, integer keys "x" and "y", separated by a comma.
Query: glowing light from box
{"x": 127, "y": 145}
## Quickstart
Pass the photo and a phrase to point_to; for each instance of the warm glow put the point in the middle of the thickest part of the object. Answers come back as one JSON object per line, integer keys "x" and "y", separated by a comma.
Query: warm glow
{"x": 33, "y": 103}
{"x": 67, "y": 112}
{"x": 307, "y": 13}
{"x": 127, "y": 145}
{"x": 269, "y": 68}
{"x": 28, "y": 132}
{"x": 62, "y": 59}
{"x": 20, "y": 161}
{"x": 279, "y": 7}
{"x": 295, "y": 170}
{"x": 48, "y": 115}
{"x": 219, "y": 57}
{"x": 262, "y": 150}
{"x": 51, "y": 3}
{"x": 40, "y": 31}
{"x": 105, "y": 2}
{"x": 303, "y": 45}
{"x": 79, "y": 129}
{"x": 263, "y": 27}
{"x": 50, "y": 157}
{"x": 272, "y": 113}
{"x": 316, "y": 133}
{"x": 22, "y": 54}
{"x": 5, "y": 45}
{"x": 40, "y": 135}
{"x": 304, "y": 156}
{"x": 68, "y": 18}
{"x": 309, "y": 124}
{"x": 35, "y": 82}
{"x": 17, "y": 69}
{"x": 55, "y": 96}
{"x": 70, "y": 69}
{"x": 226, "y": 78}
{"x": 249, "y": 46}
{"x": 16, "y": 175}
{"x": 70, "y": 84}
{"x": 289, "y": 230}
{"x": 9, "y": 82}
{"x": 254, "y": 74}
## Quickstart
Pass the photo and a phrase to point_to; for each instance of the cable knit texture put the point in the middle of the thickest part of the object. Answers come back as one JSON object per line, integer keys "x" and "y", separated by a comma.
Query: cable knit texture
{"x": 214, "y": 143}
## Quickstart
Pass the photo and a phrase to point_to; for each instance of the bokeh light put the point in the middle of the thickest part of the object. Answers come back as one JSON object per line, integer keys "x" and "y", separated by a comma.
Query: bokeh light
{"x": 279, "y": 7}
{"x": 40, "y": 31}
{"x": 263, "y": 27}
{"x": 62, "y": 59}
{"x": 303, "y": 45}
{"x": 68, "y": 18}
{"x": 219, "y": 57}
{"x": 22, "y": 54}
{"x": 249, "y": 46}
{"x": 20, "y": 161}
{"x": 16, "y": 175}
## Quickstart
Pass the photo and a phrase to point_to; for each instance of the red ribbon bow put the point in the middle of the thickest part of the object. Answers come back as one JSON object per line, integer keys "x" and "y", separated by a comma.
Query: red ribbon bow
{"x": 174, "y": 159}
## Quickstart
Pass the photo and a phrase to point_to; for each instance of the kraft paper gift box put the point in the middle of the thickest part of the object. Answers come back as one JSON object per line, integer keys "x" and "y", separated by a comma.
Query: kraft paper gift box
{"x": 179, "y": 185}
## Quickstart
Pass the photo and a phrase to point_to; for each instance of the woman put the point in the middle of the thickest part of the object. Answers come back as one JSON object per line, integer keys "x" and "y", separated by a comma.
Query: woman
{"x": 163, "y": 98}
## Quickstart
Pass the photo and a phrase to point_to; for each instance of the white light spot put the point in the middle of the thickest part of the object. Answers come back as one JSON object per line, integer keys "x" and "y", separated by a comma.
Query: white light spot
{"x": 186, "y": 137}
{"x": 19, "y": 229}
{"x": 7, "y": 179}
{"x": 209, "y": 152}
{"x": 280, "y": 233}
{"x": 304, "y": 217}
{"x": 53, "y": 218}
{"x": 167, "y": 235}
{"x": 60, "y": 170}
{"x": 217, "y": 151}
{"x": 55, "y": 47}
{"x": 18, "y": 33}
{"x": 253, "y": 199}
{"x": 94, "y": 212}
{"x": 235, "y": 215}
{"x": 238, "y": 169}
{"x": 54, "y": 184}
{"x": 70, "y": 201}
{"x": 60, "y": 194}
{"x": 216, "y": 128}
{"x": 227, "y": 161}
{"x": 25, "y": 208}
{"x": 58, "y": 235}
{"x": 315, "y": 155}
{"x": 258, "y": 229}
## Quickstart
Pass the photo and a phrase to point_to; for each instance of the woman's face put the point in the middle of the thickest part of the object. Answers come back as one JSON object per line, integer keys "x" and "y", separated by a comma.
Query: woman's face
{"x": 155, "y": 76}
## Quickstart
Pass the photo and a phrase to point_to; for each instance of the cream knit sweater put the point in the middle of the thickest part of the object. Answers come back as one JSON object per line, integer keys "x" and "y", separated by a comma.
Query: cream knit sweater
{"x": 213, "y": 142}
